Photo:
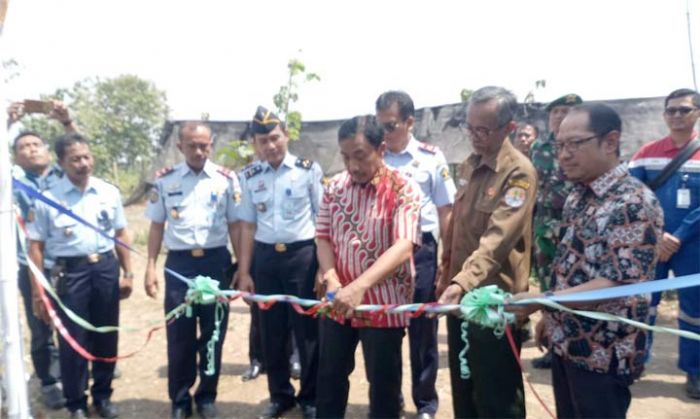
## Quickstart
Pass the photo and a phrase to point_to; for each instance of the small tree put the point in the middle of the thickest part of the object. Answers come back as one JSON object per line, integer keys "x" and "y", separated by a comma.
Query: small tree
{"x": 237, "y": 153}
{"x": 289, "y": 94}
{"x": 122, "y": 117}
{"x": 465, "y": 94}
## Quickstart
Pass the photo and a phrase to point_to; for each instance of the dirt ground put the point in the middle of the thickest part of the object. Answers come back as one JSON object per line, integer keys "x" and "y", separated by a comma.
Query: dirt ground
{"x": 141, "y": 392}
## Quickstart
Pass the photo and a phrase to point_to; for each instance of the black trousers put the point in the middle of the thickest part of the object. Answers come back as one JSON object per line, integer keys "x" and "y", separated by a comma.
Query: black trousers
{"x": 255, "y": 351}
{"x": 92, "y": 292}
{"x": 381, "y": 348}
{"x": 580, "y": 393}
{"x": 183, "y": 343}
{"x": 43, "y": 348}
{"x": 495, "y": 388}
{"x": 422, "y": 332}
{"x": 292, "y": 272}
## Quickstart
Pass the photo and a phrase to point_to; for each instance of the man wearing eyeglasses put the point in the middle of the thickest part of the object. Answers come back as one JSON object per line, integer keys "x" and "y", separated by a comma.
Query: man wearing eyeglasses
{"x": 611, "y": 227}
{"x": 426, "y": 165}
{"x": 552, "y": 190}
{"x": 680, "y": 198}
{"x": 488, "y": 243}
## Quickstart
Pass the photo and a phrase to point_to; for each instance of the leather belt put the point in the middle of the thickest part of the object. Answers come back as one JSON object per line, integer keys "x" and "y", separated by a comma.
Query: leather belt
{"x": 90, "y": 259}
{"x": 195, "y": 253}
{"x": 285, "y": 247}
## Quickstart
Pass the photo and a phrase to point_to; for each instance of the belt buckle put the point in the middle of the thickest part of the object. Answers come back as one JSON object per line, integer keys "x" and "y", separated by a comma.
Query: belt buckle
{"x": 197, "y": 253}
{"x": 280, "y": 247}
{"x": 93, "y": 258}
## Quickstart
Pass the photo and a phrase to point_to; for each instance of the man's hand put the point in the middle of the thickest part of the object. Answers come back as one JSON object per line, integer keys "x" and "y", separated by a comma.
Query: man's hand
{"x": 244, "y": 282}
{"x": 39, "y": 309}
{"x": 325, "y": 283}
{"x": 60, "y": 112}
{"x": 15, "y": 112}
{"x": 126, "y": 285}
{"x": 451, "y": 295}
{"x": 347, "y": 298}
{"x": 522, "y": 311}
{"x": 441, "y": 282}
{"x": 150, "y": 283}
{"x": 669, "y": 245}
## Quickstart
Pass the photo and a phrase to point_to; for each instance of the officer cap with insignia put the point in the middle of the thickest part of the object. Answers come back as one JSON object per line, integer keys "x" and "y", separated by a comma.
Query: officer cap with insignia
{"x": 264, "y": 121}
{"x": 567, "y": 100}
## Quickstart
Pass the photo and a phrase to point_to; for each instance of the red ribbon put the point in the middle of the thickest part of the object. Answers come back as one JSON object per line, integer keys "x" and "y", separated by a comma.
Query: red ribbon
{"x": 516, "y": 354}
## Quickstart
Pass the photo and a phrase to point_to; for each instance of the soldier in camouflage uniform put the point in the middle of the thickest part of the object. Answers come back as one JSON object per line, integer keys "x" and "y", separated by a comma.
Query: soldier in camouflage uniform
{"x": 552, "y": 190}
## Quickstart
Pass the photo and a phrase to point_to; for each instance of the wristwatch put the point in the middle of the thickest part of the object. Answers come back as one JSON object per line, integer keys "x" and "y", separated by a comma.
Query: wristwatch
{"x": 128, "y": 275}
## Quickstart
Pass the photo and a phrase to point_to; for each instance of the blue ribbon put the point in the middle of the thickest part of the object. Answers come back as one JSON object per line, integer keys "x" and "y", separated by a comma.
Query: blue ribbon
{"x": 646, "y": 287}
{"x": 600, "y": 294}
{"x": 63, "y": 210}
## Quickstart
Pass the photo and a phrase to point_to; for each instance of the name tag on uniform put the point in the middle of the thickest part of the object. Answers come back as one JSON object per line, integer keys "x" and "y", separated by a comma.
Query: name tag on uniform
{"x": 683, "y": 198}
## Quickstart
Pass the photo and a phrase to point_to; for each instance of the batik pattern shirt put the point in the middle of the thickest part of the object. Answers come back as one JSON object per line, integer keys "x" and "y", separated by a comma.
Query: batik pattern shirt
{"x": 610, "y": 230}
{"x": 362, "y": 221}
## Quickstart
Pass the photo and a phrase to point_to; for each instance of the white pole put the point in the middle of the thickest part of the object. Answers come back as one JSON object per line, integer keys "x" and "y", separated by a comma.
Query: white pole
{"x": 14, "y": 378}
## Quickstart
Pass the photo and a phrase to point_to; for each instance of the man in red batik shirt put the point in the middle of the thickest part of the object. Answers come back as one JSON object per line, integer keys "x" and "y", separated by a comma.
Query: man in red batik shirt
{"x": 367, "y": 226}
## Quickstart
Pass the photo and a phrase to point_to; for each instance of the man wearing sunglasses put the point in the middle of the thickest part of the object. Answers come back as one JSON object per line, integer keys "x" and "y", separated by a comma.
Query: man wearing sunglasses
{"x": 488, "y": 243}
{"x": 680, "y": 198}
{"x": 426, "y": 165}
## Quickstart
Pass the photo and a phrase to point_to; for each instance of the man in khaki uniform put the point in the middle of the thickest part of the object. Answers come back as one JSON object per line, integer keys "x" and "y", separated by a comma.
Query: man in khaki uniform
{"x": 488, "y": 242}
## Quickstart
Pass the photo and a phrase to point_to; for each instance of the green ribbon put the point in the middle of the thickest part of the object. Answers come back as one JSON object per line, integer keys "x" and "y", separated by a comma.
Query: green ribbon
{"x": 483, "y": 306}
{"x": 204, "y": 290}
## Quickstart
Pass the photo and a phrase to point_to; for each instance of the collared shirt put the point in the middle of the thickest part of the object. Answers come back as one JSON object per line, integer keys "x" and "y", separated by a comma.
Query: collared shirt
{"x": 491, "y": 225}
{"x": 63, "y": 236}
{"x": 681, "y": 220}
{"x": 552, "y": 186}
{"x": 25, "y": 204}
{"x": 362, "y": 221}
{"x": 282, "y": 202}
{"x": 610, "y": 230}
{"x": 196, "y": 207}
{"x": 426, "y": 165}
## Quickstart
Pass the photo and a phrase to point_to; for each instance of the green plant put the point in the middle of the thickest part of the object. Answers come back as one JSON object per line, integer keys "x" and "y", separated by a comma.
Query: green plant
{"x": 289, "y": 94}
{"x": 235, "y": 154}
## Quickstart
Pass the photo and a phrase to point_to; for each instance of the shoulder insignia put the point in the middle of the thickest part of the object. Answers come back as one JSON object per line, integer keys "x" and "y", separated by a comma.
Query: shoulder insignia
{"x": 164, "y": 171}
{"x": 154, "y": 196}
{"x": 445, "y": 173}
{"x": 256, "y": 169}
{"x": 428, "y": 148}
{"x": 226, "y": 173}
{"x": 515, "y": 197}
{"x": 249, "y": 165}
{"x": 520, "y": 183}
{"x": 304, "y": 163}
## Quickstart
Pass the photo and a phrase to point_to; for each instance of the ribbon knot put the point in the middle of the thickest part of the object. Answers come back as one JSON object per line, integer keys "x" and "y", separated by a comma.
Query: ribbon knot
{"x": 485, "y": 307}
{"x": 203, "y": 290}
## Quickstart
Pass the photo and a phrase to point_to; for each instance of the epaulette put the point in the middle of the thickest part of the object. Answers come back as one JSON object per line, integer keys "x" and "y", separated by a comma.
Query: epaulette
{"x": 226, "y": 173}
{"x": 252, "y": 171}
{"x": 164, "y": 171}
{"x": 304, "y": 163}
{"x": 249, "y": 165}
{"x": 428, "y": 148}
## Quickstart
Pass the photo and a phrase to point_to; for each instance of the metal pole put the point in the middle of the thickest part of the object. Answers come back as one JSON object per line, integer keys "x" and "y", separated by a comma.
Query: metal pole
{"x": 14, "y": 376}
{"x": 690, "y": 44}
